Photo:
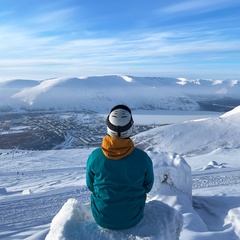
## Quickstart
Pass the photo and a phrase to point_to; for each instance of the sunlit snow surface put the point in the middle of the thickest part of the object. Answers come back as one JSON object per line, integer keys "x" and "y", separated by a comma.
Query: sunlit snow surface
{"x": 44, "y": 193}
{"x": 100, "y": 93}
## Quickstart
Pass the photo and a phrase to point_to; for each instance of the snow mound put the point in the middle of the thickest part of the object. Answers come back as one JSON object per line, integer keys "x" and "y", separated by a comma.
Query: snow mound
{"x": 67, "y": 223}
{"x": 171, "y": 169}
{"x": 233, "y": 218}
{"x": 74, "y": 222}
{"x": 213, "y": 165}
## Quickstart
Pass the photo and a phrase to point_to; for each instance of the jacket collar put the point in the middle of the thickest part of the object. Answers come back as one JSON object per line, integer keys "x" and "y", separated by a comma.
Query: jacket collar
{"x": 116, "y": 148}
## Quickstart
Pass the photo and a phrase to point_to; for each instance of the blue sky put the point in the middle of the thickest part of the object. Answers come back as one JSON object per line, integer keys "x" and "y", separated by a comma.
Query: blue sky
{"x": 73, "y": 38}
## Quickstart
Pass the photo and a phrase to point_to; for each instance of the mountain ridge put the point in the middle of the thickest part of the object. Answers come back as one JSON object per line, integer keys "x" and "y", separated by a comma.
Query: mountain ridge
{"x": 100, "y": 93}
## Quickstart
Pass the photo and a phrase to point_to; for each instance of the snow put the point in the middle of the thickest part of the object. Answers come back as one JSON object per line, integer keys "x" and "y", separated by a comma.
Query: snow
{"x": 128, "y": 79}
{"x": 100, "y": 93}
{"x": 232, "y": 116}
{"x": 172, "y": 169}
{"x": 43, "y": 194}
{"x": 215, "y": 82}
{"x": 196, "y": 136}
{"x": 74, "y": 221}
{"x": 93, "y": 94}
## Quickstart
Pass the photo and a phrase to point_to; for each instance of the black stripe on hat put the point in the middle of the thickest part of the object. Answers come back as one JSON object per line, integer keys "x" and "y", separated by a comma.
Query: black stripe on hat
{"x": 119, "y": 128}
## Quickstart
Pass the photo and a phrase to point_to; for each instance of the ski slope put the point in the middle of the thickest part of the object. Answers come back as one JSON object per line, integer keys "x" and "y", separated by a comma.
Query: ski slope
{"x": 30, "y": 199}
{"x": 38, "y": 189}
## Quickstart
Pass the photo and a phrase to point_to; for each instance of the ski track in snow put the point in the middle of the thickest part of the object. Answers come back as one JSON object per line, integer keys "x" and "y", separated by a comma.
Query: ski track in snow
{"x": 16, "y": 213}
{"x": 211, "y": 179}
{"x": 44, "y": 207}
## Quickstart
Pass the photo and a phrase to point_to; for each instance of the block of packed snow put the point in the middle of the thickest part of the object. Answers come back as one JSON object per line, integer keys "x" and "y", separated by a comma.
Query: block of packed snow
{"x": 171, "y": 169}
{"x": 26, "y": 191}
{"x": 74, "y": 221}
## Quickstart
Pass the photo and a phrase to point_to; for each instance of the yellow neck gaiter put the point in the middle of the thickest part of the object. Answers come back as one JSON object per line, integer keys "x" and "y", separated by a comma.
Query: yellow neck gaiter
{"x": 116, "y": 148}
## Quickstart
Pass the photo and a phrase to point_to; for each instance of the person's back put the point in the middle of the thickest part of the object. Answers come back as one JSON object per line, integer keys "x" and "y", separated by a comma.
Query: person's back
{"x": 118, "y": 175}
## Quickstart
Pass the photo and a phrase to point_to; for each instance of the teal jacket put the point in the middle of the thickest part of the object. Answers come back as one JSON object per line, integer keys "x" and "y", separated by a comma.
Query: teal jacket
{"x": 118, "y": 184}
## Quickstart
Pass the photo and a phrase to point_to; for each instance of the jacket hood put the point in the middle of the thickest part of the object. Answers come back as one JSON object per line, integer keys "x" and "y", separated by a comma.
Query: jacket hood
{"x": 116, "y": 148}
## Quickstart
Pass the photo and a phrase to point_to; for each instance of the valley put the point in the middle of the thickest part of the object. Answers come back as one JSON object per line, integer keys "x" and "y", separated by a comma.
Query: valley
{"x": 45, "y": 131}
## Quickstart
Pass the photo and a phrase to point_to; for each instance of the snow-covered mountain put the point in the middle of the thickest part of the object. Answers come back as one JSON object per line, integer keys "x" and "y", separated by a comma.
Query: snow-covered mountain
{"x": 100, "y": 93}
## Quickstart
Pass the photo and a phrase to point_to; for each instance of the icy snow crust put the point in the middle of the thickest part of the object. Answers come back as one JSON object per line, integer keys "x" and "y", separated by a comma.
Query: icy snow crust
{"x": 43, "y": 194}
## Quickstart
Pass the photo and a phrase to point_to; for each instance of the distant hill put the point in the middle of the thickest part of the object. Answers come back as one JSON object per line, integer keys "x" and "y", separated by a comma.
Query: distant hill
{"x": 100, "y": 93}
{"x": 194, "y": 137}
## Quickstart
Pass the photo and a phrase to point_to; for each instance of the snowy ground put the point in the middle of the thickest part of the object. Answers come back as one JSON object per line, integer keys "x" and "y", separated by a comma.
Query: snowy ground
{"x": 35, "y": 186}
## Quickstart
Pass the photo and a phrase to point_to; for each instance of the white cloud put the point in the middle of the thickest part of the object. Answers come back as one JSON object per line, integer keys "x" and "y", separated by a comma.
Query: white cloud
{"x": 26, "y": 48}
{"x": 196, "y": 6}
{"x": 19, "y": 45}
{"x": 57, "y": 15}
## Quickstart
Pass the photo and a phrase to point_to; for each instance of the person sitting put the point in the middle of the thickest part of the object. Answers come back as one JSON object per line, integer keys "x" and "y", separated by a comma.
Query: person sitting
{"x": 118, "y": 174}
